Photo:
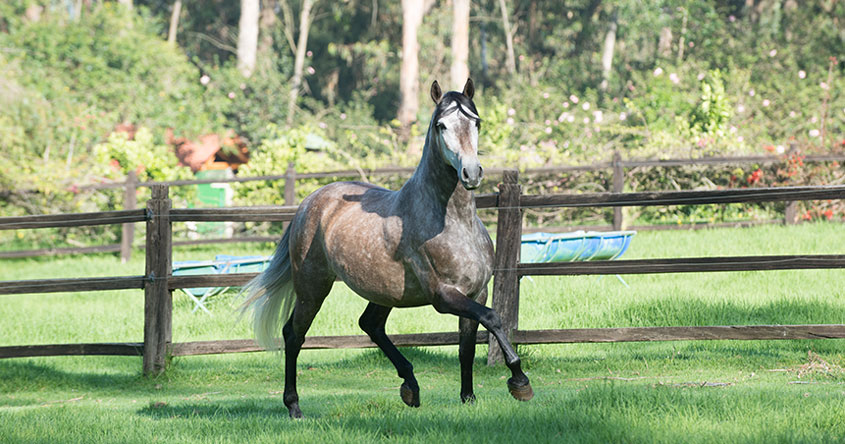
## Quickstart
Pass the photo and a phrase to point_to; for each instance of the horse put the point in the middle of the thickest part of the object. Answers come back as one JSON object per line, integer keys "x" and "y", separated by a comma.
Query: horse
{"x": 421, "y": 245}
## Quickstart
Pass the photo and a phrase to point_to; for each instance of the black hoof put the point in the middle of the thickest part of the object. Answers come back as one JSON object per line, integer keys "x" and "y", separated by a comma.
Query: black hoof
{"x": 468, "y": 399}
{"x": 410, "y": 397}
{"x": 520, "y": 392}
{"x": 294, "y": 412}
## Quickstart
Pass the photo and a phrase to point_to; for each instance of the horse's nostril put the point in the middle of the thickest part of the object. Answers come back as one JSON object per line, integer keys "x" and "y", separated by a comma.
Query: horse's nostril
{"x": 464, "y": 174}
{"x": 480, "y": 172}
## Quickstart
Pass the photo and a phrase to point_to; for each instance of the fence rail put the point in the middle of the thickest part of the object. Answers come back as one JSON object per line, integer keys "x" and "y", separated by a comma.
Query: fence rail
{"x": 158, "y": 283}
{"x": 616, "y": 164}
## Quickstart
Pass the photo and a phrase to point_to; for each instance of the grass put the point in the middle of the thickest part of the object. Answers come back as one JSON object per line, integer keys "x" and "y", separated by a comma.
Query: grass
{"x": 690, "y": 391}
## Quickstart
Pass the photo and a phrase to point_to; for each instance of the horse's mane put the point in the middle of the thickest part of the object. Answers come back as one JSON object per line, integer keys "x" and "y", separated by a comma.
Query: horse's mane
{"x": 464, "y": 105}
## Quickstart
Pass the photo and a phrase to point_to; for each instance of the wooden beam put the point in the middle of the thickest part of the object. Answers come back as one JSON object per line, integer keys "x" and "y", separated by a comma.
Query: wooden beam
{"x": 210, "y": 280}
{"x": 158, "y": 298}
{"x": 684, "y": 265}
{"x": 113, "y": 349}
{"x": 234, "y": 214}
{"x": 684, "y": 197}
{"x": 635, "y": 334}
{"x": 72, "y": 285}
{"x": 72, "y": 220}
{"x": 506, "y": 281}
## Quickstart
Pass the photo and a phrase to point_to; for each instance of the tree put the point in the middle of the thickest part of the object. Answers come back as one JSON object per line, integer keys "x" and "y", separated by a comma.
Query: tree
{"x": 174, "y": 22}
{"x": 299, "y": 61}
{"x": 511, "y": 60}
{"x": 248, "y": 36}
{"x": 409, "y": 75}
{"x": 460, "y": 42}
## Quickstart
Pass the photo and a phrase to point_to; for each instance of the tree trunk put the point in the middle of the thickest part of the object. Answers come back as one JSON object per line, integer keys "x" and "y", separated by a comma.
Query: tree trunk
{"x": 248, "y": 36}
{"x": 409, "y": 72}
{"x": 586, "y": 26}
{"x": 126, "y": 3}
{"x": 268, "y": 22}
{"x": 299, "y": 61}
{"x": 506, "y": 24}
{"x": 174, "y": 22}
{"x": 607, "y": 53}
{"x": 460, "y": 43}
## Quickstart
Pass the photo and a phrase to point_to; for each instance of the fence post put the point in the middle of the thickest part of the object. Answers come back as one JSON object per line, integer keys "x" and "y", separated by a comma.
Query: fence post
{"x": 506, "y": 279}
{"x": 290, "y": 185}
{"x": 158, "y": 301}
{"x": 618, "y": 187}
{"x": 790, "y": 212}
{"x": 130, "y": 202}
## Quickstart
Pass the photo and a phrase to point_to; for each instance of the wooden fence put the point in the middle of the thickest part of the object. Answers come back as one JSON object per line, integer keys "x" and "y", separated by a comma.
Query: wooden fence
{"x": 158, "y": 281}
{"x": 617, "y": 165}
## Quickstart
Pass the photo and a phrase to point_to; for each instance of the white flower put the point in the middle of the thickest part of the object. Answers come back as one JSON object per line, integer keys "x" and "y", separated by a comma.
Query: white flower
{"x": 322, "y": 125}
{"x": 674, "y": 78}
{"x": 231, "y": 95}
{"x": 773, "y": 53}
{"x": 311, "y": 70}
{"x": 740, "y": 108}
{"x": 766, "y": 102}
{"x": 570, "y": 118}
{"x": 701, "y": 76}
{"x": 573, "y": 98}
{"x": 792, "y": 114}
{"x": 562, "y": 117}
{"x": 824, "y": 85}
{"x": 623, "y": 116}
{"x": 658, "y": 71}
{"x": 566, "y": 104}
{"x": 814, "y": 132}
{"x": 585, "y": 106}
{"x": 740, "y": 139}
{"x": 545, "y": 95}
{"x": 342, "y": 116}
{"x": 752, "y": 93}
{"x": 586, "y": 120}
{"x": 205, "y": 79}
{"x": 780, "y": 149}
{"x": 511, "y": 111}
{"x": 548, "y": 130}
{"x": 733, "y": 129}
{"x": 598, "y": 116}
{"x": 802, "y": 74}
{"x": 548, "y": 122}
{"x": 510, "y": 120}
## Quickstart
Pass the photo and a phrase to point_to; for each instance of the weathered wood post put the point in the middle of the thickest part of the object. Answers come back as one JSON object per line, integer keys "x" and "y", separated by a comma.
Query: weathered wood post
{"x": 290, "y": 185}
{"x": 618, "y": 187}
{"x": 158, "y": 300}
{"x": 790, "y": 212}
{"x": 506, "y": 279}
{"x": 130, "y": 202}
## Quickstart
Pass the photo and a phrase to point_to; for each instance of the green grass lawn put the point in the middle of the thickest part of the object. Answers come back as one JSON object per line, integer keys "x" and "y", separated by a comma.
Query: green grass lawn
{"x": 691, "y": 391}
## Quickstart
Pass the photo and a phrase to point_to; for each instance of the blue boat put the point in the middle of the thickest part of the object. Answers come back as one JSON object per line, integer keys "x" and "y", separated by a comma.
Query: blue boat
{"x": 576, "y": 246}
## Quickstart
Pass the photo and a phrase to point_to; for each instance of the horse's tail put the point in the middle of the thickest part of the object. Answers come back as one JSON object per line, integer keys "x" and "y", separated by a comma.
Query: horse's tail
{"x": 270, "y": 296}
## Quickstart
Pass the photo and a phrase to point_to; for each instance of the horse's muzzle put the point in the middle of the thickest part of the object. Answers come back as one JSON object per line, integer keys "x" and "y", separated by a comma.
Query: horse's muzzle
{"x": 471, "y": 175}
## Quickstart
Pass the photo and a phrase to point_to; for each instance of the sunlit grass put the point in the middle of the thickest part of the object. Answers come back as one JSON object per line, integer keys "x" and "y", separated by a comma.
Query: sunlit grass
{"x": 688, "y": 391}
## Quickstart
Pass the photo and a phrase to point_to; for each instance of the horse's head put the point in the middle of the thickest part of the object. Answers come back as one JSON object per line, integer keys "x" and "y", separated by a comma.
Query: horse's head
{"x": 454, "y": 129}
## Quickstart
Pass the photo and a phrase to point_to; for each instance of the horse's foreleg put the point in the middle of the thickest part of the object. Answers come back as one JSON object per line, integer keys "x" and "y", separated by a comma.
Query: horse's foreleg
{"x": 372, "y": 321}
{"x": 448, "y": 299}
{"x": 466, "y": 350}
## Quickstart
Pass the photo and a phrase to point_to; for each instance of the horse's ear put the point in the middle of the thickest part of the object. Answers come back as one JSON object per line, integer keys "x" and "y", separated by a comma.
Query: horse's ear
{"x": 435, "y": 92}
{"x": 469, "y": 89}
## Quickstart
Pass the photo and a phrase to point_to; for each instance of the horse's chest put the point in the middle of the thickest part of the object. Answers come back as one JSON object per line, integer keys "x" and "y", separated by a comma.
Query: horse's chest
{"x": 460, "y": 258}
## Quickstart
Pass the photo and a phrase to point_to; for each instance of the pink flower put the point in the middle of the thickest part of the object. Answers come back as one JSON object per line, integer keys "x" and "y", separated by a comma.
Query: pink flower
{"x": 623, "y": 116}
{"x": 732, "y": 18}
{"x": 658, "y": 71}
{"x": 548, "y": 122}
{"x": 792, "y": 114}
{"x": 573, "y": 98}
{"x": 309, "y": 53}
{"x": 566, "y": 104}
{"x": 342, "y": 116}
{"x": 701, "y": 76}
{"x": 511, "y": 111}
{"x": 766, "y": 102}
{"x": 752, "y": 93}
{"x": 802, "y": 74}
{"x": 545, "y": 95}
{"x": 311, "y": 70}
{"x": 824, "y": 85}
{"x": 674, "y": 78}
{"x": 548, "y": 130}
{"x": 773, "y": 53}
{"x": 231, "y": 95}
{"x": 510, "y": 121}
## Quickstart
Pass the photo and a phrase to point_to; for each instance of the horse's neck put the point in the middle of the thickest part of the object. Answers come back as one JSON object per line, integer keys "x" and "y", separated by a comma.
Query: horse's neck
{"x": 436, "y": 184}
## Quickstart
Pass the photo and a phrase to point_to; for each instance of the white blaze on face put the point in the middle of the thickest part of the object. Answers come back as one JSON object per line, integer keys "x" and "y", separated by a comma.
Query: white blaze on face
{"x": 459, "y": 143}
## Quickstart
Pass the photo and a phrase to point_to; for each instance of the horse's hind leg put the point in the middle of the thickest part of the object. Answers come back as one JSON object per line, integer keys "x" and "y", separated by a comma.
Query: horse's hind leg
{"x": 309, "y": 299}
{"x": 372, "y": 321}
{"x": 466, "y": 350}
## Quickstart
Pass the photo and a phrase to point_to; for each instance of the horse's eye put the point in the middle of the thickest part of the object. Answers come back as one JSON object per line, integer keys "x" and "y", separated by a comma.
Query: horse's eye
{"x": 441, "y": 126}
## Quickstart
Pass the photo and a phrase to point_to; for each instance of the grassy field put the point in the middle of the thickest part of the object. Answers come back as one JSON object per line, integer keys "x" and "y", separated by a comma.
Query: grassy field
{"x": 694, "y": 391}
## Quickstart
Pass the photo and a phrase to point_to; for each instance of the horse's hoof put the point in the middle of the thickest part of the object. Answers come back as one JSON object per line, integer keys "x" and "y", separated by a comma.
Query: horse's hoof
{"x": 410, "y": 396}
{"x": 295, "y": 413}
{"x": 468, "y": 399}
{"x": 520, "y": 392}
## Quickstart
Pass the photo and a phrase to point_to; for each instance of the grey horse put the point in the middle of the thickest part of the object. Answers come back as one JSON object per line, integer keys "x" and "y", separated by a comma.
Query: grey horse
{"x": 421, "y": 245}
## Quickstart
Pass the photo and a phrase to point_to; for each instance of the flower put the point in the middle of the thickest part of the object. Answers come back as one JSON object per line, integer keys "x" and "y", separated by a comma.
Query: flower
{"x": 802, "y": 74}
{"x": 205, "y": 79}
{"x": 740, "y": 108}
{"x": 773, "y": 53}
{"x": 511, "y": 111}
{"x": 322, "y": 125}
{"x": 342, "y": 116}
{"x": 598, "y": 116}
{"x": 548, "y": 130}
{"x": 545, "y": 95}
{"x": 570, "y": 118}
{"x": 824, "y": 85}
{"x": 231, "y": 95}
{"x": 658, "y": 71}
{"x": 701, "y": 76}
{"x": 521, "y": 57}
{"x": 548, "y": 122}
{"x": 566, "y": 104}
{"x": 740, "y": 139}
{"x": 731, "y": 18}
{"x": 585, "y": 106}
{"x": 309, "y": 53}
{"x": 562, "y": 117}
{"x": 242, "y": 86}
{"x": 766, "y": 102}
{"x": 814, "y": 132}
{"x": 586, "y": 120}
{"x": 311, "y": 70}
{"x": 780, "y": 149}
{"x": 752, "y": 93}
{"x": 623, "y": 116}
{"x": 573, "y": 98}
{"x": 510, "y": 121}
{"x": 674, "y": 78}
{"x": 792, "y": 114}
